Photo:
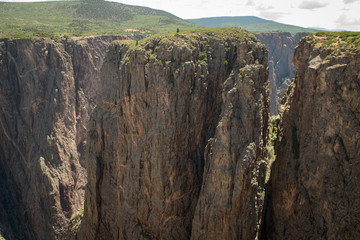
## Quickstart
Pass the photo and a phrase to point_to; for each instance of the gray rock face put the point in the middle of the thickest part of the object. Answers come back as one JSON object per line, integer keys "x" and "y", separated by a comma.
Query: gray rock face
{"x": 47, "y": 92}
{"x": 176, "y": 140}
{"x": 315, "y": 177}
{"x": 281, "y": 48}
{"x": 176, "y": 144}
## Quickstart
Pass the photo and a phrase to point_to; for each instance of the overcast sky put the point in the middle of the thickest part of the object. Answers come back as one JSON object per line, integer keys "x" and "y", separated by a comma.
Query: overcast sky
{"x": 330, "y": 14}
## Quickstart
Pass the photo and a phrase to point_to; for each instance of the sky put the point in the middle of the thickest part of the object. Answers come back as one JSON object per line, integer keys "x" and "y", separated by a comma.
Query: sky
{"x": 329, "y": 14}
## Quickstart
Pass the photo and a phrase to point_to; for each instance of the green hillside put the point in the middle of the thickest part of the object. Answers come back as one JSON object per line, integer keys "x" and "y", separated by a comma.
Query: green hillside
{"x": 250, "y": 23}
{"x": 79, "y": 18}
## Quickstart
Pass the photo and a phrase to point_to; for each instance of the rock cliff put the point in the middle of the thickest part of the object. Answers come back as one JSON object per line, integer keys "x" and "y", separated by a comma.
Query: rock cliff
{"x": 315, "y": 178}
{"x": 47, "y": 92}
{"x": 175, "y": 147}
{"x": 281, "y": 48}
{"x": 176, "y": 142}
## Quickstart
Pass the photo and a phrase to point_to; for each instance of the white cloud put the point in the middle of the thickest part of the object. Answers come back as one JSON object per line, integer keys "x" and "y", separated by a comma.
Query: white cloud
{"x": 250, "y": 3}
{"x": 272, "y": 15}
{"x": 263, "y": 7}
{"x": 312, "y": 5}
{"x": 305, "y": 13}
{"x": 349, "y": 1}
{"x": 350, "y": 22}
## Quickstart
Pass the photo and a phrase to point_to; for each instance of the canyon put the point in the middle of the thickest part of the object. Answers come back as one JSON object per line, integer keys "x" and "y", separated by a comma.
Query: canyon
{"x": 168, "y": 137}
{"x": 280, "y": 46}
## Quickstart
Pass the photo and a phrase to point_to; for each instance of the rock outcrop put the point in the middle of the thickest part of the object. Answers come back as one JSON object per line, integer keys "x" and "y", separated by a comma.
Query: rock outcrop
{"x": 315, "y": 178}
{"x": 281, "y": 48}
{"x": 47, "y": 92}
{"x": 176, "y": 146}
{"x": 176, "y": 142}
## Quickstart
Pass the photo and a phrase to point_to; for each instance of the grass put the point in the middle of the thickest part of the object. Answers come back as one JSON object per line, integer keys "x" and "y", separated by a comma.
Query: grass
{"x": 336, "y": 40}
{"x": 80, "y": 18}
{"x": 186, "y": 36}
{"x": 219, "y": 33}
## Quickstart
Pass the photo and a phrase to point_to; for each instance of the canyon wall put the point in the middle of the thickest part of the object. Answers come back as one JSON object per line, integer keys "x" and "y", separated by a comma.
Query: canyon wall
{"x": 176, "y": 146}
{"x": 281, "y": 46}
{"x": 315, "y": 178}
{"x": 47, "y": 92}
{"x": 177, "y": 140}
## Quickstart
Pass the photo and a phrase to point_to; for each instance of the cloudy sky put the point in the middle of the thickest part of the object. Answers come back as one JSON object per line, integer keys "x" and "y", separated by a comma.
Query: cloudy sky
{"x": 330, "y": 14}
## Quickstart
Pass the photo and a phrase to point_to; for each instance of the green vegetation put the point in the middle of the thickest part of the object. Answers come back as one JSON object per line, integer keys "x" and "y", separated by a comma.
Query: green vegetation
{"x": 80, "y": 18}
{"x": 337, "y": 39}
{"x": 202, "y": 56}
{"x": 221, "y": 33}
{"x": 188, "y": 35}
{"x": 272, "y": 135}
{"x": 250, "y": 23}
{"x": 1, "y": 237}
{"x": 75, "y": 221}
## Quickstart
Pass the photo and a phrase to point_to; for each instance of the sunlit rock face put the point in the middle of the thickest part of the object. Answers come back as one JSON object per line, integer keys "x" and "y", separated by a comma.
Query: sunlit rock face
{"x": 315, "y": 177}
{"x": 176, "y": 142}
{"x": 47, "y": 93}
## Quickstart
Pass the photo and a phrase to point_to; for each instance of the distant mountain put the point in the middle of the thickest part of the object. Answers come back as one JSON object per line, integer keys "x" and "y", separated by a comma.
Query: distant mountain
{"x": 79, "y": 18}
{"x": 250, "y": 23}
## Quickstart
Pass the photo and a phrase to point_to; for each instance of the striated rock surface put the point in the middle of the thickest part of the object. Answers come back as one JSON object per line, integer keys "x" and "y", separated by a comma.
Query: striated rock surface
{"x": 176, "y": 141}
{"x": 315, "y": 177}
{"x": 47, "y": 92}
{"x": 281, "y": 46}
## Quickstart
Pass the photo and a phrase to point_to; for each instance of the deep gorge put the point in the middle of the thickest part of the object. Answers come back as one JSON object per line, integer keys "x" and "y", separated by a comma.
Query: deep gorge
{"x": 176, "y": 145}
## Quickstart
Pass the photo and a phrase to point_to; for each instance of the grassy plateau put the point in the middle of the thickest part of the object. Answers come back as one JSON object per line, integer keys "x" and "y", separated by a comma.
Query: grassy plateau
{"x": 338, "y": 39}
{"x": 83, "y": 18}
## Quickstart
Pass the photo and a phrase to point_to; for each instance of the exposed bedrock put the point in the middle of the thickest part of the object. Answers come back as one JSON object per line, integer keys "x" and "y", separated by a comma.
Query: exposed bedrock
{"x": 177, "y": 140}
{"x": 47, "y": 92}
{"x": 315, "y": 177}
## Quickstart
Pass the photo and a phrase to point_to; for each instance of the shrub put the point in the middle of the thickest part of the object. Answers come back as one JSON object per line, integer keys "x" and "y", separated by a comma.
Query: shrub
{"x": 202, "y": 56}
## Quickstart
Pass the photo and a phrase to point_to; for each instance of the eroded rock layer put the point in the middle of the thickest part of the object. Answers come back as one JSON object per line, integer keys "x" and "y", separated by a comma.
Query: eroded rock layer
{"x": 315, "y": 177}
{"x": 47, "y": 92}
{"x": 177, "y": 139}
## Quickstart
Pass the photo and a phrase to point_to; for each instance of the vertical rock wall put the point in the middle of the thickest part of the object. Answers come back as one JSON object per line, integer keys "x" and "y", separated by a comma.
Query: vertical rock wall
{"x": 179, "y": 128}
{"x": 47, "y": 92}
{"x": 315, "y": 177}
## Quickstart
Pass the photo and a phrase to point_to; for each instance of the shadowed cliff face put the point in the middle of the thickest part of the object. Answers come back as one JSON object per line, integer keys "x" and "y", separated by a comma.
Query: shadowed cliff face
{"x": 316, "y": 174}
{"x": 47, "y": 92}
{"x": 176, "y": 140}
{"x": 281, "y": 48}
